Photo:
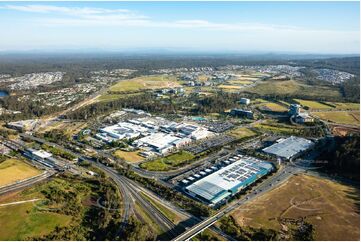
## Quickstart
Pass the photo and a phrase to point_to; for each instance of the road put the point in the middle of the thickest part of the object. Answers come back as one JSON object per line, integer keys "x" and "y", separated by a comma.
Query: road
{"x": 131, "y": 194}
{"x": 26, "y": 183}
{"x": 281, "y": 176}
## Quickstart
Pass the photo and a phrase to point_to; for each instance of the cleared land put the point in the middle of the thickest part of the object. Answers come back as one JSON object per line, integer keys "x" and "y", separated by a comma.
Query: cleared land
{"x": 352, "y": 118}
{"x": 242, "y": 132}
{"x": 111, "y": 97}
{"x": 169, "y": 162}
{"x": 293, "y": 87}
{"x": 131, "y": 156}
{"x": 313, "y": 104}
{"x": 330, "y": 207}
{"x": 70, "y": 128}
{"x": 12, "y": 170}
{"x": 145, "y": 82}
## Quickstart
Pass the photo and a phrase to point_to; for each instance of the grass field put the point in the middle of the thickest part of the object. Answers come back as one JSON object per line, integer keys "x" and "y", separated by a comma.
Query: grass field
{"x": 145, "y": 82}
{"x": 352, "y": 118}
{"x": 275, "y": 107}
{"x": 131, "y": 156}
{"x": 242, "y": 132}
{"x": 18, "y": 222}
{"x": 345, "y": 106}
{"x": 241, "y": 82}
{"x": 22, "y": 221}
{"x": 312, "y": 104}
{"x": 293, "y": 87}
{"x": 274, "y": 127}
{"x": 258, "y": 101}
{"x": 225, "y": 86}
{"x": 168, "y": 162}
{"x": 12, "y": 170}
{"x": 330, "y": 207}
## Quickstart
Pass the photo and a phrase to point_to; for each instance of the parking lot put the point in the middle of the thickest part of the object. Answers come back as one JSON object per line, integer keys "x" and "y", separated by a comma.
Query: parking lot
{"x": 217, "y": 141}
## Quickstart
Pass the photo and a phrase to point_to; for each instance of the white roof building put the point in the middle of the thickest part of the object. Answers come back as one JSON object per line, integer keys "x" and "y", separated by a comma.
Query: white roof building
{"x": 290, "y": 147}
{"x": 229, "y": 180}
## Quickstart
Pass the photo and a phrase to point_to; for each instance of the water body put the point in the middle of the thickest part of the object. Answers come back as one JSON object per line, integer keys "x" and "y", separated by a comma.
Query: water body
{"x": 3, "y": 93}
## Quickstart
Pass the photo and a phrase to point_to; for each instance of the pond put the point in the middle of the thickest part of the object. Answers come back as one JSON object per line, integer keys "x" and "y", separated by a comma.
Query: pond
{"x": 3, "y": 93}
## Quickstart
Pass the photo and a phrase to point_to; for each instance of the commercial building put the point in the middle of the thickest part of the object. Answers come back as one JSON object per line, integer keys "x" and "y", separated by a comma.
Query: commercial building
{"x": 121, "y": 130}
{"x": 154, "y": 134}
{"x": 221, "y": 184}
{"x": 161, "y": 143}
{"x": 294, "y": 109}
{"x": 242, "y": 113}
{"x": 289, "y": 147}
{"x": 42, "y": 157}
{"x": 245, "y": 101}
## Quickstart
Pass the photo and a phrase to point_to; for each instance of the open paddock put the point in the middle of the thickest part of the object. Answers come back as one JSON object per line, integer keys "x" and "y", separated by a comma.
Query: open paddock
{"x": 13, "y": 170}
{"x": 340, "y": 117}
{"x": 331, "y": 208}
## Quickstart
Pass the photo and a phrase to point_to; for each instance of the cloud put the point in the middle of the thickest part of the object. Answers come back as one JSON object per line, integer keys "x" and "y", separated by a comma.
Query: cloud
{"x": 75, "y": 16}
{"x": 65, "y": 10}
{"x": 268, "y": 35}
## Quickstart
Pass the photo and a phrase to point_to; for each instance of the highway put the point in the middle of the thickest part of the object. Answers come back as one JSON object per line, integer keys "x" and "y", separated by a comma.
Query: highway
{"x": 132, "y": 195}
{"x": 130, "y": 191}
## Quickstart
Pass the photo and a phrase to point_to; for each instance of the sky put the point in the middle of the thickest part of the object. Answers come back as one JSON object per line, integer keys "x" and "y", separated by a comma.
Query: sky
{"x": 299, "y": 27}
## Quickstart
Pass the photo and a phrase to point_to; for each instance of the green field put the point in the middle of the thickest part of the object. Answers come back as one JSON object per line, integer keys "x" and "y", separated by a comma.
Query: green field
{"x": 274, "y": 107}
{"x": 12, "y": 170}
{"x": 352, "y": 118}
{"x": 22, "y": 221}
{"x": 274, "y": 127}
{"x": 345, "y": 106}
{"x": 242, "y": 132}
{"x": 293, "y": 87}
{"x": 27, "y": 220}
{"x": 145, "y": 82}
{"x": 312, "y": 104}
{"x": 168, "y": 162}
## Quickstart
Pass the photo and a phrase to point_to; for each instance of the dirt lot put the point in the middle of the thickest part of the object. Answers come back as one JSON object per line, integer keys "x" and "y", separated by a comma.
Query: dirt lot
{"x": 332, "y": 208}
{"x": 13, "y": 170}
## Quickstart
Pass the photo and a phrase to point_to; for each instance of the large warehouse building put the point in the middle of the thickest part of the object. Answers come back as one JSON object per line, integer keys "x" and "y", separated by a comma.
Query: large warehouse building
{"x": 290, "y": 147}
{"x": 229, "y": 180}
